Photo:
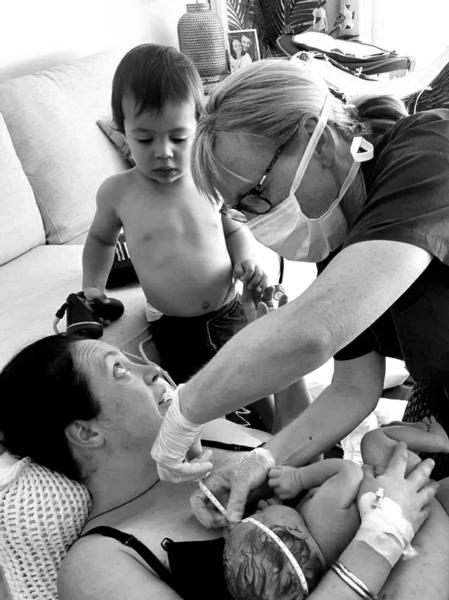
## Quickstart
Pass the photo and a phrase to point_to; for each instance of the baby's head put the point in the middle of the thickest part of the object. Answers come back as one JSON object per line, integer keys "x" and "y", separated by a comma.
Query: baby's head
{"x": 255, "y": 565}
{"x": 154, "y": 76}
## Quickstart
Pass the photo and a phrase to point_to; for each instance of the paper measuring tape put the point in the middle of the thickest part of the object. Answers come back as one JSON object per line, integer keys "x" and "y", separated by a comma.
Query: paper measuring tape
{"x": 218, "y": 505}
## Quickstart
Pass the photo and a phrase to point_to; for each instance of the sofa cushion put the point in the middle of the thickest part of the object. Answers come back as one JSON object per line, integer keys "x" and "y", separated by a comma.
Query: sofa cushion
{"x": 35, "y": 285}
{"x": 51, "y": 116}
{"x": 22, "y": 227}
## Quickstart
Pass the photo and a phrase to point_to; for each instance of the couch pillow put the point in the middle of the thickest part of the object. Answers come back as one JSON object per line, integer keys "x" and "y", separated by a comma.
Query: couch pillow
{"x": 21, "y": 223}
{"x": 107, "y": 126}
{"x": 51, "y": 116}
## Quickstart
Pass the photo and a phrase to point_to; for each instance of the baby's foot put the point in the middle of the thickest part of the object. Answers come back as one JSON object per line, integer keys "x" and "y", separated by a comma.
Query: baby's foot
{"x": 441, "y": 437}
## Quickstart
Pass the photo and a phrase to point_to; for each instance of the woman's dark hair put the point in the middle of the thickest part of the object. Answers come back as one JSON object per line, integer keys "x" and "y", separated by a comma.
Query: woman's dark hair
{"x": 379, "y": 114}
{"x": 231, "y": 48}
{"x": 155, "y": 75}
{"x": 41, "y": 392}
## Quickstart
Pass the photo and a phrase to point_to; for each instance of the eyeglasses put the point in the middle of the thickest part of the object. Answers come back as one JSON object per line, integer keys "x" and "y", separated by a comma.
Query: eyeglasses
{"x": 253, "y": 201}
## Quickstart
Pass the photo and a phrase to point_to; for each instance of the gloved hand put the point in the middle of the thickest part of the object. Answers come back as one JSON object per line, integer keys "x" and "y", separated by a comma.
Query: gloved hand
{"x": 176, "y": 438}
{"x": 231, "y": 485}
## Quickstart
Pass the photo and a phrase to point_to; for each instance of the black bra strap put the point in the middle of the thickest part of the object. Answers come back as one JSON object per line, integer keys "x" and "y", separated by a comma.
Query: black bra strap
{"x": 131, "y": 541}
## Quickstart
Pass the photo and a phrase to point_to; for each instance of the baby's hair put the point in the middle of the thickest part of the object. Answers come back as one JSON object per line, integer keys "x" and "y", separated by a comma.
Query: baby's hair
{"x": 253, "y": 564}
{"x": 155, "y": 75}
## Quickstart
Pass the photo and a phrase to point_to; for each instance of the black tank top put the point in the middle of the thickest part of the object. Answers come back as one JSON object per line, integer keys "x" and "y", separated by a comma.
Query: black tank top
{"x": 196, "y": 568}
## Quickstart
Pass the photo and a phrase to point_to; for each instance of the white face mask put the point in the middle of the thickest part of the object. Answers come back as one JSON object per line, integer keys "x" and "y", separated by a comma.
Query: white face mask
{"x": 287, "y": 230}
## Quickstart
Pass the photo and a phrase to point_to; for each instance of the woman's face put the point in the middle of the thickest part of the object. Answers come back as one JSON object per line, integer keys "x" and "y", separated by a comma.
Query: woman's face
{"x": 237, "y": 46}
{"x": 133, "y": 398}
{"x": 244, "y": 157}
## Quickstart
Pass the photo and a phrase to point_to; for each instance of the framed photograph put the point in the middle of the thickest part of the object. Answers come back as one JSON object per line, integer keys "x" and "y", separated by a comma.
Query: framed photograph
{"x": 243, "y": 48}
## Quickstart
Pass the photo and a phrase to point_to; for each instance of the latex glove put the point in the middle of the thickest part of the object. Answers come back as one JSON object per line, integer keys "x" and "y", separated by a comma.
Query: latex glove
{"x": 285, "y": 482}
{"x": 178, "y": 437}
{"x": 231, "y": 485}
{"x": 252, "y": 275}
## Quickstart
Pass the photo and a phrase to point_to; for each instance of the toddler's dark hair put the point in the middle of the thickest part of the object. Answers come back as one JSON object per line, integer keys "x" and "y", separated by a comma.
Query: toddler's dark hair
{"x": 155, "y": 75}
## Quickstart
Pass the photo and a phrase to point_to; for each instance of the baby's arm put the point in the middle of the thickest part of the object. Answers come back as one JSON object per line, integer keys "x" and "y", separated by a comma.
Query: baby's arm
{"x": 423, "y": 436}
{"x": 427, "y": 436}
{"x": 288, "y": 482}
{"x": 239, "y": 242}
{"x": 98, "y": 253}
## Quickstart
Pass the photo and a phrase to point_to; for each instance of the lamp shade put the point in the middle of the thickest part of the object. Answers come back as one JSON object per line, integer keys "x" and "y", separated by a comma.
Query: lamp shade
{"x": 201, "y": 37}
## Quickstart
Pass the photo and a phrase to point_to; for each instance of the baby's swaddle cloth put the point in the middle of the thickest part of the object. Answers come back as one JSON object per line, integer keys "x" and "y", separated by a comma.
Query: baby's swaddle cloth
{"x": 41, "y": 515}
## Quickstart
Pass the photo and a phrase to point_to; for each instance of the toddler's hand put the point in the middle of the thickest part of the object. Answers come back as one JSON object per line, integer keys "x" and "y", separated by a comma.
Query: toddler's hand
{"x": 285, "y": 481}
{"x": 252, "y": 275}
{"x": 94, "y": 294}
{"x": 257, "y": 304}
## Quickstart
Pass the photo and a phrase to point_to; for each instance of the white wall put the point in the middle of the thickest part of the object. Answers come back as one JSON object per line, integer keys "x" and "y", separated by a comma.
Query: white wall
{"x": 420, "y": 29}
{"x": 40, "y": 33}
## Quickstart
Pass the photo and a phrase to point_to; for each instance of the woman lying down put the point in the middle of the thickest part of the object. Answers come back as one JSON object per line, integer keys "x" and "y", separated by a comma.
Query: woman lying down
{"x": 81, "y": 408}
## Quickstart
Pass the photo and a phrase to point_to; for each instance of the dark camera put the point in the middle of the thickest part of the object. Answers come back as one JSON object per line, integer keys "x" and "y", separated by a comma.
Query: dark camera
{"x": 84, "y": 318}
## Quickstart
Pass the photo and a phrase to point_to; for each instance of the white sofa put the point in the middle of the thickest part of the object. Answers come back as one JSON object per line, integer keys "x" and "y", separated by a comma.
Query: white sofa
{"x": 53, "y": 157}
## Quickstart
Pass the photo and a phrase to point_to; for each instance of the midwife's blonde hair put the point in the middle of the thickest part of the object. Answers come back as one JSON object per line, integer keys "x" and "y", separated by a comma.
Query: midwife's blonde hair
{"x": 269, "y": 98}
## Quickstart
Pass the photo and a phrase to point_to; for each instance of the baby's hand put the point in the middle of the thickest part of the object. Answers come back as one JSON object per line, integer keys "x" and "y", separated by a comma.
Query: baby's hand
{"x": 285, "y": 481}
{"x": 273, "y": 501}
{"x": 248, "y": 271}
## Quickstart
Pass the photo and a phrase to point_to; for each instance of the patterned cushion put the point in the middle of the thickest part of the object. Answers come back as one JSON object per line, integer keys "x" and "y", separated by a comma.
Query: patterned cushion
{"x": 107, "y": 126}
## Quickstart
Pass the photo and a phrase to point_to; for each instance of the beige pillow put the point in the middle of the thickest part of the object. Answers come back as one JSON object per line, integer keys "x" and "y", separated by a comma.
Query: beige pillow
{"x": 51, "y": 118}
{"x": 107, "y": 126}
{"x": 21, "y": 222}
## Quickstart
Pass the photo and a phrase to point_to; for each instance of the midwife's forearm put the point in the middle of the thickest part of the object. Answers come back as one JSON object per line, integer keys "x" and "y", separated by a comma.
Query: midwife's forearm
{"x": 290, "y": 403}
{"x": 97, "y": 261}
{"x": 263, "y": 358}
{"x": 331, "y": 416}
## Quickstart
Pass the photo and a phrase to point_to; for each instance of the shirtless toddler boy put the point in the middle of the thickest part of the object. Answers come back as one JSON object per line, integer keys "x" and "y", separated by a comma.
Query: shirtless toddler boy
{"x": 323, "y": 522}
{"x": 185, "y": 252}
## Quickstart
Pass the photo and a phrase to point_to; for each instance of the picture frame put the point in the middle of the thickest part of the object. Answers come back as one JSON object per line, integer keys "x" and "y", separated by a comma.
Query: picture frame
{"x": 243, "y": 48}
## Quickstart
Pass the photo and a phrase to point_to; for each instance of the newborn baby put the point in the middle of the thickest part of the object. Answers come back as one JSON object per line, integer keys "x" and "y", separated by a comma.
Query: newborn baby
{"x": 323, "y": 521}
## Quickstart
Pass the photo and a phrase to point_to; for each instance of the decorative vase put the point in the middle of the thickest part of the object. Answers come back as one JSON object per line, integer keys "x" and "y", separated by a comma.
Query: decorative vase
{"x": 201, "y": 37}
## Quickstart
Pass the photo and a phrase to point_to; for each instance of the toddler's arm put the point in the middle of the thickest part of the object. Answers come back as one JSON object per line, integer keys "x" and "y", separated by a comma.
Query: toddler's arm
{"x": 98, "y": 253}
{"x": 239, "y": 243}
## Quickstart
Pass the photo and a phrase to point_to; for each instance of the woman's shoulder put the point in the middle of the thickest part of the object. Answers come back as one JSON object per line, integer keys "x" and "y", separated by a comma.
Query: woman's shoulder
{"x": 100, "y": 568}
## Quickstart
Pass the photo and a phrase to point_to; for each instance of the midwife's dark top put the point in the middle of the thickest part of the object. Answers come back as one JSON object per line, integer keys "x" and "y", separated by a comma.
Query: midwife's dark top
{"x": 407, "y": 186}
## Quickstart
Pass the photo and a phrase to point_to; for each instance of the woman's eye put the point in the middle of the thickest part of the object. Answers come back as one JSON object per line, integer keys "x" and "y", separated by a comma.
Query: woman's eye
{"x": 146, "y": 141}
{"x": 179, "y": 140}
{"x": 119, "y": 370}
